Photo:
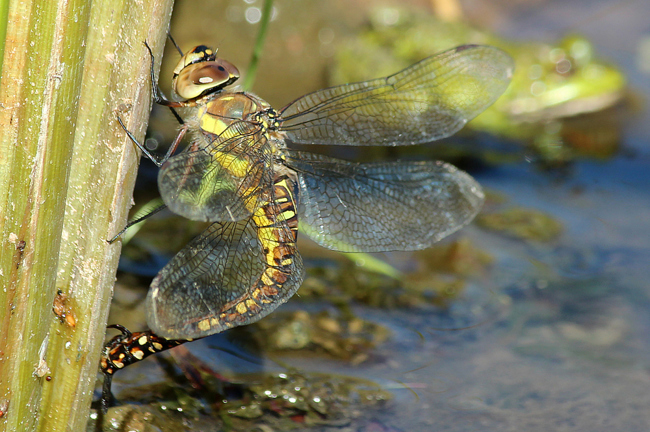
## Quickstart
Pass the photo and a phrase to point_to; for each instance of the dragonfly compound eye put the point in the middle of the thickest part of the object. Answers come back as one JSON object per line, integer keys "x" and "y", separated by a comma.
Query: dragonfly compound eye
{"x": 197, "y": 54}
{"x": 200, "y": 78}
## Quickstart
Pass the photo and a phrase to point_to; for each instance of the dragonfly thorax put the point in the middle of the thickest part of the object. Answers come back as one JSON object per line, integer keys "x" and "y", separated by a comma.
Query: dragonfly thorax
{"x": 223, "y": 109}
{"x": 269, "y": 119}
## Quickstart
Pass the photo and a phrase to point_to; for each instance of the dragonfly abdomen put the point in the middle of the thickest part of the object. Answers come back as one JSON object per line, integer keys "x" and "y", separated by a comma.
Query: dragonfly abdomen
{"x": 129, "y": 348}
{"x": 277, "y": 225}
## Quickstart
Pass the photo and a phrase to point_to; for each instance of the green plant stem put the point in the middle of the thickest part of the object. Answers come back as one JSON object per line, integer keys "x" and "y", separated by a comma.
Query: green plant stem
{"x": 259, "y": 44}
{"x": 66, "y": 175}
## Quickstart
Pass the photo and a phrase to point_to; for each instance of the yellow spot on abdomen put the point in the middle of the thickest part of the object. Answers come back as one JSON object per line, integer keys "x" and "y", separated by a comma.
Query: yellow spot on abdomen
{"x": 267, "y": 279}
{"x": 241, "y": 308}
{"x": 288, "y": 214}
{"x": 204, "y": 325}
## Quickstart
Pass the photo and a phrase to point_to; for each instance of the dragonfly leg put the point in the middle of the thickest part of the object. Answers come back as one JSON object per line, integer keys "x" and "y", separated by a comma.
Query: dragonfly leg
{"x": 176, "y": 142}
{"x": 141, "y": 146}
{"x": 159, "y": 163}
{"x": 137, "y": 220}
{"x": 158, "y": 95}
{"x": 160, "y": 98}
{"x": 171, "y": 39}
{"x": 147, "y": 153}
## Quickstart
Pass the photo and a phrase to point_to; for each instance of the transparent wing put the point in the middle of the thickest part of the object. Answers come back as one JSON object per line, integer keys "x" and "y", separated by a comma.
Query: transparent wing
{"x": 216, "y": 282}
{"x": 219, "y": 181}
{"x": 377, "y": 207}
{"x": 430, "y": 100}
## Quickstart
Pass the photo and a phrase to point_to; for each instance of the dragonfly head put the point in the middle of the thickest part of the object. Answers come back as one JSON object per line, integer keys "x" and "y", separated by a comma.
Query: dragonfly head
{"x": 200, "y": 72}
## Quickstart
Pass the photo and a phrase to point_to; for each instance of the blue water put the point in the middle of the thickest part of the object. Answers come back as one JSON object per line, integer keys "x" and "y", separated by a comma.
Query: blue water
{"x": 565, "y": 344}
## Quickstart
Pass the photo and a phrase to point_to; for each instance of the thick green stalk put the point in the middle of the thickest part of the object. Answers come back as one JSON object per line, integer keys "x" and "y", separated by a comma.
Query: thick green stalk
{"x": 66, "y": 176}
{"x": 259, "y": 44}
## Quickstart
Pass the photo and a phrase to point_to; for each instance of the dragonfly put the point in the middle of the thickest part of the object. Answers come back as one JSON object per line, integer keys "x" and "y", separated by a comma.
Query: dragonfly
{"x": 240, "y": 173}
